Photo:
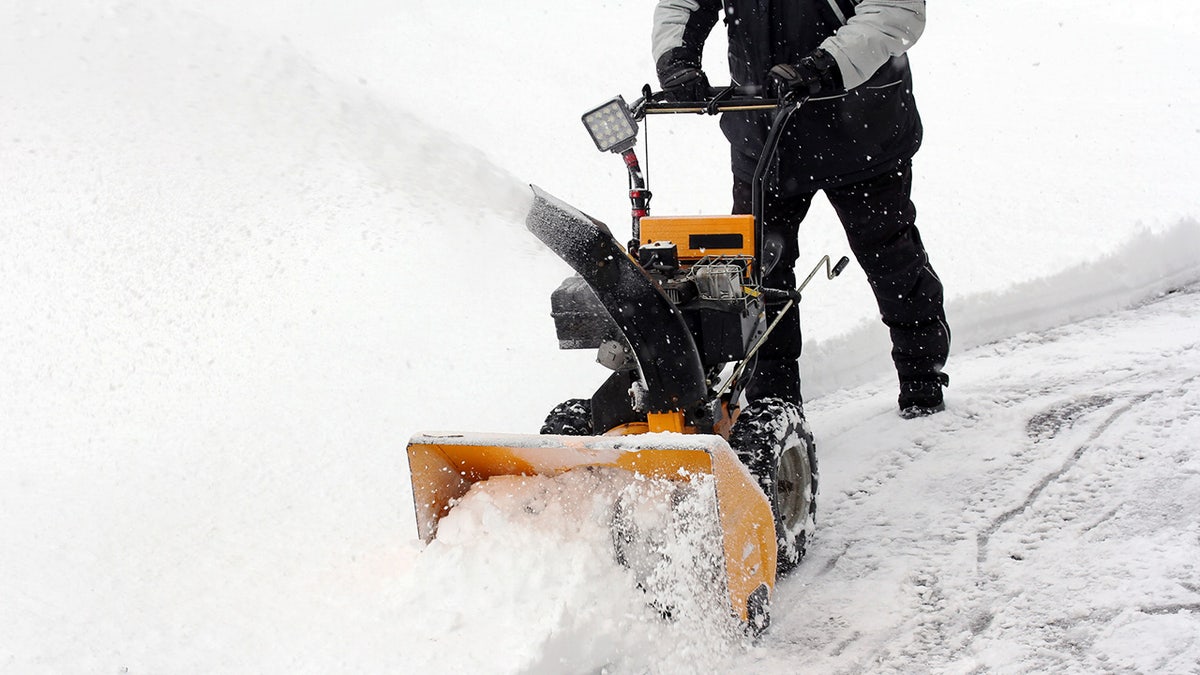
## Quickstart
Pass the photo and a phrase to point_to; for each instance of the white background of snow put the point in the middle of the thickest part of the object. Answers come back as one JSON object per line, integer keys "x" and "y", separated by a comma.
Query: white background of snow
{"x": 250, "y": 251}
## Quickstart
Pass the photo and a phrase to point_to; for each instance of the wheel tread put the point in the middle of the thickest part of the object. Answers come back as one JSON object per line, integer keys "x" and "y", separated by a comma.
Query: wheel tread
{"x": 759, "y": 437}
{"x": 572, "y": 417}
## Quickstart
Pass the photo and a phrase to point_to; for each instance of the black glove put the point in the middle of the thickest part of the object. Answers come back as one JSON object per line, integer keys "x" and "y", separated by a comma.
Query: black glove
{"x": 816, "y": 73}
{"x": 683, "y": 82}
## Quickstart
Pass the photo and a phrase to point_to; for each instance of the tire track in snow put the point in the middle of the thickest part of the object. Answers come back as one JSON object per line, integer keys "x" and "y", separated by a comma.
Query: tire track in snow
{"x": 1037, "y": 426}
{"x": 1071, "y": 635}
{"x": 923, "y": 631}
{"x": 894, "y": 581}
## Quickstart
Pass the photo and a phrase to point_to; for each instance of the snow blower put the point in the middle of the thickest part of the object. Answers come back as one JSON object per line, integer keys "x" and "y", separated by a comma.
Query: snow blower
{"x": 677, "y": 315}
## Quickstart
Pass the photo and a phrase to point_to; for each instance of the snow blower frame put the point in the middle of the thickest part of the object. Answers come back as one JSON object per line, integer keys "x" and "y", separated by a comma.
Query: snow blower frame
{"x": 678, "y": 316}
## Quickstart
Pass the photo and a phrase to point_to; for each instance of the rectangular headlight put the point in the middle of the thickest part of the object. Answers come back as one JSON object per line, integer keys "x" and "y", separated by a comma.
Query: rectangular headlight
{"x": 612, "y": 126}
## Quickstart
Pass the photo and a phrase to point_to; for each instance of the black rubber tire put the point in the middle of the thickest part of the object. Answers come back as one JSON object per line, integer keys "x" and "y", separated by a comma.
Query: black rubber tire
{"x": 773, "y": 440}
{"x": 572, "y": 417}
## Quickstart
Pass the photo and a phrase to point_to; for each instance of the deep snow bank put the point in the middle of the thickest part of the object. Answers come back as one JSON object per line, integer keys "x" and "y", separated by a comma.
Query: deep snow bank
{"x": 220, "y": 291}
{"x": 1143, "y": 267}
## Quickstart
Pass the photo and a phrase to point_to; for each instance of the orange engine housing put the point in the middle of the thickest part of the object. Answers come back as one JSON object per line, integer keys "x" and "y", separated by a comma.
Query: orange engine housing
{"x": 696, "y": 237}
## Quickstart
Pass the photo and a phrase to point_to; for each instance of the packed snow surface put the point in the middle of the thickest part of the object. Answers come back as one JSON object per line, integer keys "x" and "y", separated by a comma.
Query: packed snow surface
{"x": 252, "y": 248}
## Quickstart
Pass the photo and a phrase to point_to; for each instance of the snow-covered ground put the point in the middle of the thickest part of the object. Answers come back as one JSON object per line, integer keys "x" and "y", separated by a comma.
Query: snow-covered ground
{"x": 250, "y": 250}
{"x": 1046, "y": 523}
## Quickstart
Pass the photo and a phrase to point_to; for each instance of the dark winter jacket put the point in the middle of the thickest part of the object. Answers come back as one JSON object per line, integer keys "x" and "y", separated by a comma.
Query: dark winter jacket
{"x": 836, "y": 138}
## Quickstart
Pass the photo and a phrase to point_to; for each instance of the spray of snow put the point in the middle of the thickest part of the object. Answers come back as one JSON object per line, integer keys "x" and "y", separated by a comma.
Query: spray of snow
{"x": 524, "y": 576}
{"x": 209, "y": 252}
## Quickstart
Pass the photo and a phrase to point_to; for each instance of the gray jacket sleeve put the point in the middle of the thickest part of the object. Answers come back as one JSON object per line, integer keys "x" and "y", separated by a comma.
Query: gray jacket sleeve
{"x": 878, "y": 30}
{"x": 680, "y": 26}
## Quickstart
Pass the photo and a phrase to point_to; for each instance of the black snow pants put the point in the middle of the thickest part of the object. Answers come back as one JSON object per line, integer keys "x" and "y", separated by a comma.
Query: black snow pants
{"x": 880, "y": 222}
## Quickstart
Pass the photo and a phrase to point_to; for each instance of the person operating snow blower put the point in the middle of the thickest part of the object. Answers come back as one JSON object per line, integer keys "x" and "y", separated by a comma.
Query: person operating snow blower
{"x": 853, "y": 139}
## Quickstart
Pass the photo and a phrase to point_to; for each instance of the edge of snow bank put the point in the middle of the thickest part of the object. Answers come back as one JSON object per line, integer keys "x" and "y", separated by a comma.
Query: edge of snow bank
{"x": 1148, "y": 265}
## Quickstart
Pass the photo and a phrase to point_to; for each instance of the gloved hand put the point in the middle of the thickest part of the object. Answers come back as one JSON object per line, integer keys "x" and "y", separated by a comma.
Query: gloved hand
{"x": 683, "y": 83}
{"x": 816, "y": 73}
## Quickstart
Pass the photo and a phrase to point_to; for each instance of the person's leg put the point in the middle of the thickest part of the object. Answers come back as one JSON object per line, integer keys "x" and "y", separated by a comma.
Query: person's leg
{"x": 777, "y": 370}
{"x": 880, "y": 222}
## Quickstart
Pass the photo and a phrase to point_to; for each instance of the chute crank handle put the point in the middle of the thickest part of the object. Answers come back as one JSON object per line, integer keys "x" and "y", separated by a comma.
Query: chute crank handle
{"x": 839, "y": 267}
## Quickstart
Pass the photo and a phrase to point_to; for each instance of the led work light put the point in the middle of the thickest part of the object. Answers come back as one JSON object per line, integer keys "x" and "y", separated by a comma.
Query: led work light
{"x": 611, "y": 126}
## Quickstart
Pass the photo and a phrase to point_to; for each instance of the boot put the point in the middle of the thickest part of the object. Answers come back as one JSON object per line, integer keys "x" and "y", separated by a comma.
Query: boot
{"x": 922, "y": 397}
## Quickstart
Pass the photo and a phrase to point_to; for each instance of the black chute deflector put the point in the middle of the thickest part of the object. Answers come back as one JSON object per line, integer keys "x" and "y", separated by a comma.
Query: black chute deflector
{"x": 666, "y": 353}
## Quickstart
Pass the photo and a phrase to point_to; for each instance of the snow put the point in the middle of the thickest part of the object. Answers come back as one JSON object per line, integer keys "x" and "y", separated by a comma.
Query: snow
{"x": 579, "y": 610}
{"x": 1046, "y": 522}
{"x": 252, "y": 248}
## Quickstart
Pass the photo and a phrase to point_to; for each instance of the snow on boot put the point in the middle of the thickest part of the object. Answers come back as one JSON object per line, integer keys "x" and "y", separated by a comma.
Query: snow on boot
{"x": 921, "y": 398}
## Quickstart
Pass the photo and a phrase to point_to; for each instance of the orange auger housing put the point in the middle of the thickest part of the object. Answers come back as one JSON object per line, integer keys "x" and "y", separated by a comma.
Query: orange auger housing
{"x": 444, "y": 466}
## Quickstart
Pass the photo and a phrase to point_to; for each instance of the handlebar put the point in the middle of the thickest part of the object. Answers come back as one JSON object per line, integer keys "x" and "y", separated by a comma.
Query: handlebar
{"x": 732, "y": 98}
